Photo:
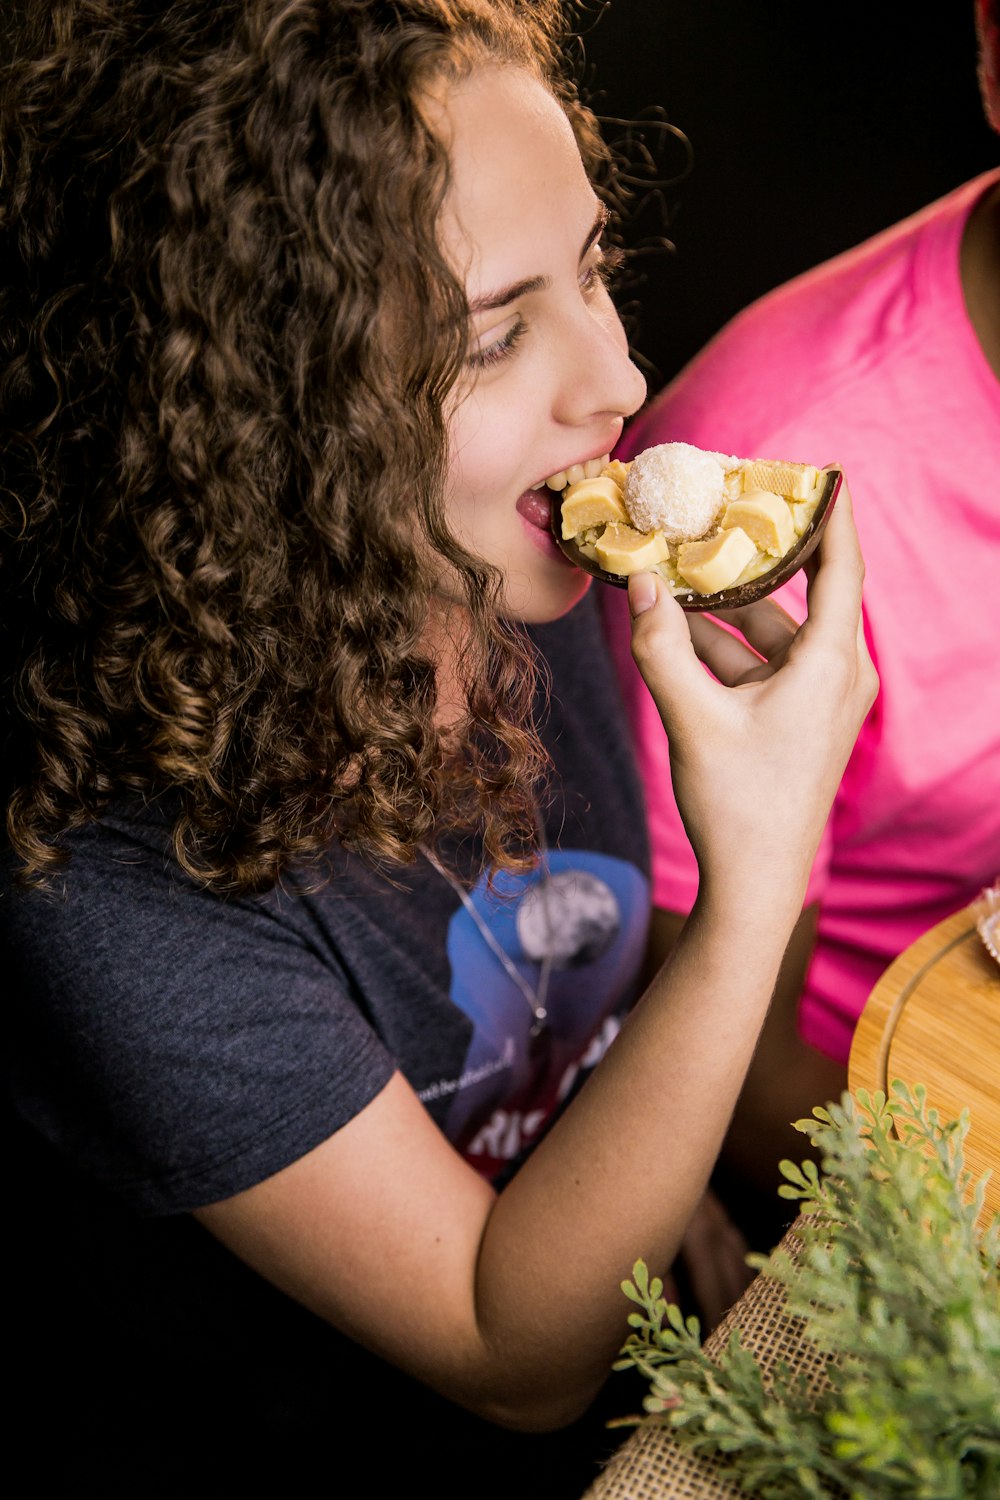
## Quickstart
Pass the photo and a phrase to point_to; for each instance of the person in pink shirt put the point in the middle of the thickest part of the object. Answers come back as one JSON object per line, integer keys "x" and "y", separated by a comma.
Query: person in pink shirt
{"x": 885, "y": 360}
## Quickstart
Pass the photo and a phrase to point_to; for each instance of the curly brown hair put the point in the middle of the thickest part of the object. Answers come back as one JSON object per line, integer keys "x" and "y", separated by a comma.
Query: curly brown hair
{"x": 221, "y": 465}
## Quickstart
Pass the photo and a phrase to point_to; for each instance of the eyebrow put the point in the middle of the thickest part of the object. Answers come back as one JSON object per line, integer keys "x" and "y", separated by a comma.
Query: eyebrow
{"x": 493, "y": 300}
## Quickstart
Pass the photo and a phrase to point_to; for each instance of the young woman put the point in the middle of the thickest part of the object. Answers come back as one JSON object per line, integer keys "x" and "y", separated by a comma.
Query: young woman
{"x": 328, "y": 890}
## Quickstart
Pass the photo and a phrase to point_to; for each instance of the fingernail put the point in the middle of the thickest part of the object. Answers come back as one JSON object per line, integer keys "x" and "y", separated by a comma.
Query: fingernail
{"x": 641, "y": 593}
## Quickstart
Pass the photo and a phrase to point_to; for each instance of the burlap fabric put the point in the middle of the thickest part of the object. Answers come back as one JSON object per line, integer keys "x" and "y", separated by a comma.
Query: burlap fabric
{"x": 652, "y": 1465}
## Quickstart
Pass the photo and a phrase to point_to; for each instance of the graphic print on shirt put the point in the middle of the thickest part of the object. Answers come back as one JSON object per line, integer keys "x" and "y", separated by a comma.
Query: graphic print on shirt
{"x": 589, "y": 912}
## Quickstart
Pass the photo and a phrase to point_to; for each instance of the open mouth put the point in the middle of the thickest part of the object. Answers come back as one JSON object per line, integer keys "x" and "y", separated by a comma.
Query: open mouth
{"x": 535, "y": 505}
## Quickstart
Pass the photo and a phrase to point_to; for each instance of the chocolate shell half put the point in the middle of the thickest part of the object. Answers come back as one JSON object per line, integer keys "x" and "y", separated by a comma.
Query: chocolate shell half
{"x": 740, "y": 593}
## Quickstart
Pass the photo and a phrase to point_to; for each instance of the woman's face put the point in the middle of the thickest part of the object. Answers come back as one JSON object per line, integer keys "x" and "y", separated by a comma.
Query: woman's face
{"x": 548, "y": 382}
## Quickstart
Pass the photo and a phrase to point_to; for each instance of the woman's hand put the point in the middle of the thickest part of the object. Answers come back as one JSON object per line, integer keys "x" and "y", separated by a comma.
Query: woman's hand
{"x": 758, "y": 748}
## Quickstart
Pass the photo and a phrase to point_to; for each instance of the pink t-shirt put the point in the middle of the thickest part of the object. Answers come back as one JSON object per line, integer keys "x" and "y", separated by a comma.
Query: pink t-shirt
{"x": 870, "y": 361}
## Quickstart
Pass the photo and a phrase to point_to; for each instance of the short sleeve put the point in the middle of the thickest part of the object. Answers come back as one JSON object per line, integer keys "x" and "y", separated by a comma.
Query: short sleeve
{"x": 175, "y": 1046}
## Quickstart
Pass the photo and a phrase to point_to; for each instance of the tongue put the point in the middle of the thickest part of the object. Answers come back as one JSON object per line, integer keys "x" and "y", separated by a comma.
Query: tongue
{"x": 536, "y": 508}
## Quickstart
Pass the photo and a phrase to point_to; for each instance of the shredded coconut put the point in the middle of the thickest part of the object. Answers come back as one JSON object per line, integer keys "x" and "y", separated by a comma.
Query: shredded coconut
{"x": 677, "y": 489}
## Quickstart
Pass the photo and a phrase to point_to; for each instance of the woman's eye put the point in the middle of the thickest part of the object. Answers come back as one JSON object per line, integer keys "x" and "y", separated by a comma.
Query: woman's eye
{"x": 602, "y": 267}
{"x": 602, "y": 270}
{"x": 499, "y": 349}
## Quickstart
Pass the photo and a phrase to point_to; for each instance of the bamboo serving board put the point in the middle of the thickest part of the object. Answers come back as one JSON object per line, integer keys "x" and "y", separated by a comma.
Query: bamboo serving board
{"x": 934, "y": 1018}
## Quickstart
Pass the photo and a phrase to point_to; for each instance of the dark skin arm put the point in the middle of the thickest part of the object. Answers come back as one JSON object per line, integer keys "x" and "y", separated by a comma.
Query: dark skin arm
{"x": 980, "y": 270}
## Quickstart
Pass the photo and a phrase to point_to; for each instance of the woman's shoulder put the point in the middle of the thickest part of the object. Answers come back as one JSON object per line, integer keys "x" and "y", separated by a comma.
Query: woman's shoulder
{"x": 813, "y": 338}
{"x": 176, "y": 1045}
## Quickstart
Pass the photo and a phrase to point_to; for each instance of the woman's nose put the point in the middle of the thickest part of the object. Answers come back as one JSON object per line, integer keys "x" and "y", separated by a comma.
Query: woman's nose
{"x": 598, "y": 378}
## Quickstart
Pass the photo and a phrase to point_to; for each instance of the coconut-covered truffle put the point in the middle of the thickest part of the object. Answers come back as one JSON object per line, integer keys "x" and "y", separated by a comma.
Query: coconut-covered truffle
{"x": 677, "y": 489}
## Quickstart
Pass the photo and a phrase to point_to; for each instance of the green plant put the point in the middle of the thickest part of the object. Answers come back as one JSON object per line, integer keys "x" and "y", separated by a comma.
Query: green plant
{"x": 898, "y": 1294}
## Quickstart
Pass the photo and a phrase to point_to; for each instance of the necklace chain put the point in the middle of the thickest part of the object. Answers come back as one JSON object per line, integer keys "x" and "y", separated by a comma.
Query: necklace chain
{"x": 535, "y": 996}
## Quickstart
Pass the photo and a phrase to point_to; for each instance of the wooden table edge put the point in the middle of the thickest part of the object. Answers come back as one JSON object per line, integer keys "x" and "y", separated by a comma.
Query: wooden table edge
{"x": 867, "y": 1064}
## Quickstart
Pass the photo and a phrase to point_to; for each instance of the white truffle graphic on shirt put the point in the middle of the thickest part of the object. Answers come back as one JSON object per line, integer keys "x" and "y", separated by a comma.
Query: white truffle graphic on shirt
{"x": 572, "y": 917}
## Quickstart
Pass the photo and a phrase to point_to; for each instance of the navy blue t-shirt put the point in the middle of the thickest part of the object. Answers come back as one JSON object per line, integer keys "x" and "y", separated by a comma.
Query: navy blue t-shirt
{"x": 169, "y": 1048}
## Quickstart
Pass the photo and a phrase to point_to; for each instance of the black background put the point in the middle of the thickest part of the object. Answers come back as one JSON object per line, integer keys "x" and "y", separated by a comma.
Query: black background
{"x": 812, "y": 126}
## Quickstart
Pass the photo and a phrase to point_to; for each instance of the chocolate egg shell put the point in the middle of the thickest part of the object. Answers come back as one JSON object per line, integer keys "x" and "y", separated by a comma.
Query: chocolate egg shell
{"x": 740, "y": 593}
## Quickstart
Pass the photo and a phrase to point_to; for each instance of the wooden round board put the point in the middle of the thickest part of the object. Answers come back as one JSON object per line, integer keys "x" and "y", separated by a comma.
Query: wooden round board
{"x": 934, "y": 1018}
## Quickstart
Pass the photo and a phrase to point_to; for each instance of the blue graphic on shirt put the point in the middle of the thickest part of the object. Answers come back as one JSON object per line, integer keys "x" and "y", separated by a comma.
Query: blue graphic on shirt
{"x": 590, "y": 913}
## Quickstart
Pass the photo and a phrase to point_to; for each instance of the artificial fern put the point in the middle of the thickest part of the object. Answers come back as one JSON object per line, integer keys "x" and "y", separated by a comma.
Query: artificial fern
{"x": 899, "y": 1295}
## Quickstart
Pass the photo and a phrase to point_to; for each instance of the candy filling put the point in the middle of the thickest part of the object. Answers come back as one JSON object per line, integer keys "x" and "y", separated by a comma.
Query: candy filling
{"x": 703, "y": 521}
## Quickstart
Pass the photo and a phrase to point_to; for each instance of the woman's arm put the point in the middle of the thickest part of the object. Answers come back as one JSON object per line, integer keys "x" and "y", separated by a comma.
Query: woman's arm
{"x": 510, "y": 1304}
{"x": 786, "y": 1076}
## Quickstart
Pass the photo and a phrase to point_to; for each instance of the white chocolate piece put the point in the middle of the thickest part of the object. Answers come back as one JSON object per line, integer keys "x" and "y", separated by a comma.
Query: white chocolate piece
{"x": 766, "y": 519}
{"x": 797, "y": 481}
{"x": 717, "y": 562}
{"x": 617, "y": 471}
{"x": 624, "y": 550}
{"x": 732, "y": 485}
{"x": 802, "y": 512}
{"x": 592, "y": 502}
